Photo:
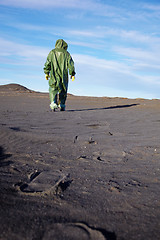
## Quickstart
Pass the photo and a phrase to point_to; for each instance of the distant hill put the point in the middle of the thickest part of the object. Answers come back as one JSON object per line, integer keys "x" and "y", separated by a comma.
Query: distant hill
{"x": 14, "y": 87}
{"x": 19, "y": 88}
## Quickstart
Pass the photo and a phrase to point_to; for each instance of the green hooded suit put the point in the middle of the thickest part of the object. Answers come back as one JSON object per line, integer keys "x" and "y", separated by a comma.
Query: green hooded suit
{"x": 59, "y": 61}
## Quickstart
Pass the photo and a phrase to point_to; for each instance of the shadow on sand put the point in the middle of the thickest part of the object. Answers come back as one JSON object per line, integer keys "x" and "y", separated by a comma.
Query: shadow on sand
{"x": 105, "y": 108}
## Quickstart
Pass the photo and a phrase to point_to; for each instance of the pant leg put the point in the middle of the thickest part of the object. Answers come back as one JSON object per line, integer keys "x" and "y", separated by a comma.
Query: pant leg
{"x": 53, "y": 91}
{"x": 62, "y": 98}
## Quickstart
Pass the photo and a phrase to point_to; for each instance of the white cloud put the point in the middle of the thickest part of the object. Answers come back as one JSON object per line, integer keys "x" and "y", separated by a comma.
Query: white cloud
{"x": 94, "y": 36}
{"x": 21, "y": 53}
{"x": 94, "y": 6}
{"x": 80, "y": 4}
{"x": 153, "y": 7}
{"x": 152, "y": 80}
{"x": 127, "y": 35}
{"x": 83, "y": 33}
{"x": 33, "y": 55}
{"x": 85, "y": 44}
{"x": 140, "y": 55}
{"x": 4, "y": 81}
{"x": 100, "y": 63}
{"x": 117, "y": 75}
{"x": 38, "y": 3}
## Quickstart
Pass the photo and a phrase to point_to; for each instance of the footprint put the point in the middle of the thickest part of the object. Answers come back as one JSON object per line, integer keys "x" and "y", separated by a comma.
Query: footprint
{"x": 33, "y": 175}
{"x": 97, "y": 156}
{"x": 75, "y": 139}
{"x": 114, "y": 186}
{"x": 99, "y": 159}
{"x": 133, "y": 183}
{"x": 77, "y": 231}
{"x": 45, "y": 183}
{"x": 94, "y": 126}
{"x": 17, "y": 129}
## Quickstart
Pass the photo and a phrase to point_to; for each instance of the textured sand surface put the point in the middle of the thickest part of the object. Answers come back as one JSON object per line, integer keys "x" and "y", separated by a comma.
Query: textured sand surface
{"x": 91, "y": 172}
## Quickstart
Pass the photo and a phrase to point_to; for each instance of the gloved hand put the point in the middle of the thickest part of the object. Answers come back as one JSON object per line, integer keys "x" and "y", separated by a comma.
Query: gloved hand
{"x": 73, "y": 78}
{"x": 47, "y": 76}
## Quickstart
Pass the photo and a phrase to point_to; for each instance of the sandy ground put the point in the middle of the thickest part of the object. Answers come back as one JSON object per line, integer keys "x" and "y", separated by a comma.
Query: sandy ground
{"x": 91, "y": 172}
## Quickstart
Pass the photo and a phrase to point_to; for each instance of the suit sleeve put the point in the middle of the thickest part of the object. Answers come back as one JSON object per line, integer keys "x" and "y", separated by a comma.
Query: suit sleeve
{"x": 71, "y": 66}
{"x": 47, "y": 65}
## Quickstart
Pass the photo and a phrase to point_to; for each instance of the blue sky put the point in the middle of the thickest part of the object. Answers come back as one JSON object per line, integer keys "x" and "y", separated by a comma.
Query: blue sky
{"x": 115, "y": 44}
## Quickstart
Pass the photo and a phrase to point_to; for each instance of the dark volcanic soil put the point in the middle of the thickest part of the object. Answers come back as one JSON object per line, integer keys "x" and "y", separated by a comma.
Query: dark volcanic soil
{"x": 91, "y": 172}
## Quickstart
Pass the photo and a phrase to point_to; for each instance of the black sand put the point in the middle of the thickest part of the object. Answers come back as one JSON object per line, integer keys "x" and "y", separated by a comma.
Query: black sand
{"x": 91, "y": 172}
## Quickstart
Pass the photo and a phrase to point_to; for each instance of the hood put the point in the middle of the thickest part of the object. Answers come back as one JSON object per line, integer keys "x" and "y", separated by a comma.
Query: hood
{"x": 60, "y": 43}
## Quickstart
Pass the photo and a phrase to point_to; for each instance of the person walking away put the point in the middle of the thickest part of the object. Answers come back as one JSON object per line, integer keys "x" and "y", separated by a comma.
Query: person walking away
{"x": 59, "y": 62}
